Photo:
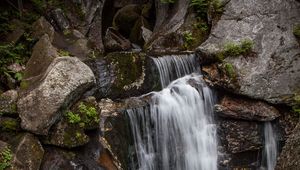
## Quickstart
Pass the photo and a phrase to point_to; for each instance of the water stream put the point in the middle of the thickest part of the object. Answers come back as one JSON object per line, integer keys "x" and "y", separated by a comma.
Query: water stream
{"x": 176, "y": 132}
{"x": 270, "y": 148}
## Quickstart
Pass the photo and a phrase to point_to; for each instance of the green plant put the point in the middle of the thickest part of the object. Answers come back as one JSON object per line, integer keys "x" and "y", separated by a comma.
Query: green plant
{"x": 90, "y": 112}
{"x": 230, "y": 71}
{"x": 296, "y": 107}
{"x": 202, "y": 26}
{"x": 5, "y": 158}
{"x": 73, "y": 118}
{"x": 234, "y": 49}
{"x": 200, "y": 7}
{"x": 217, "y": 6}
{"x": 296, "y": 31}
{"x": 188, "y": 39}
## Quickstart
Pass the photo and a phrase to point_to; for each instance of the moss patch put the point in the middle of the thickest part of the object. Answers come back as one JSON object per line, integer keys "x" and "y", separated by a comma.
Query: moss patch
{"x": 232, "y": 49}
{"x": 9, "y": 124}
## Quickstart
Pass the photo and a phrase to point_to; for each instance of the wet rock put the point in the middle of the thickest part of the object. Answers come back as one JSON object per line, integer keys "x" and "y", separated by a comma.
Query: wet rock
{"x": 114, "y": 41}
{"x": 115, "y": 80}
{"x": 60, "y": 19}
{"x": 290, "y": 154}
{"x": 240, "y": 136}
{"x": 65, "y": 80}
{"x": 41, "y": 27}
{"x": 240, "y": 144}
{"x": 28, "y": 152}
{"x": 8, "y": 102}
{"x": 56, "y": 158}
{"x": 42, "y": 55}
{"x": 67, "y": 135}
{"x": 246, "y": 109}
{"x": 272, "y": 73}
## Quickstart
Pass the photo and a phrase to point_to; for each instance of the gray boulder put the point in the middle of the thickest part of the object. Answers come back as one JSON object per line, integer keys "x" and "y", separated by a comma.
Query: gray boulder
{"x": 63, "y": 82}
{"x": 272, "y": 74}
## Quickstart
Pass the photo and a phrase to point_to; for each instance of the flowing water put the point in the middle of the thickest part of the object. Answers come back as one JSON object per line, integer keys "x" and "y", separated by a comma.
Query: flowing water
{"x": 270, "y": 148}
{"x": 171, "y": 67}
{"x": 176, "y": 132}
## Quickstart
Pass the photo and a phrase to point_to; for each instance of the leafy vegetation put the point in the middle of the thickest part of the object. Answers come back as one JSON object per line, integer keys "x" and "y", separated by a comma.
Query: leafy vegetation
{"x": 73, "y": 118}
{"x": 85, "y": 115}
{"x": 201, "y": 7}
{"x": 5, "y": 158}
{"x": 296, "y": 31}
{"x": 234, "y": 49}
{"x": 188, "y": 39}
{"x": 230, "y": 71}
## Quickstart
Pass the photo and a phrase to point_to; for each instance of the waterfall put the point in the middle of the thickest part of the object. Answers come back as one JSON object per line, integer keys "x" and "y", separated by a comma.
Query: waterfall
{"x": 270, "y": 148}
{"x": 171, "y": 67}
{"x": 176, "y": 131}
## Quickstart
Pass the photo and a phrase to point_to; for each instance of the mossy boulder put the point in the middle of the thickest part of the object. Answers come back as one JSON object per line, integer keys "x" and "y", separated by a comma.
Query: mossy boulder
{"x": 124, "y": 74}
{"x": 65, "y": 134}
{"x": 65, "y": 80}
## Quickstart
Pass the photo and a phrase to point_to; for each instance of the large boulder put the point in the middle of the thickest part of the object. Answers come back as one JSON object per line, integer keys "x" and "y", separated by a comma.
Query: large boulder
{"x": 239, "y": 108}
{"x": 272, "y": 72}
{"x": 64, "y": 81}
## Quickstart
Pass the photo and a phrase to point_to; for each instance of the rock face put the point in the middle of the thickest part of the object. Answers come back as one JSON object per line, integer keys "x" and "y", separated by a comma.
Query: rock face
{"x": 41, "y": 27}
{"x": 42, "y": 55}
{"x": 28, "y": 153}
{"x": 273, "y": 73}
{"x": 65, "y": 80}
{"x": 238, "y": 108}
{"x": 241, "y": 143}
{"x": 290, "y": 155}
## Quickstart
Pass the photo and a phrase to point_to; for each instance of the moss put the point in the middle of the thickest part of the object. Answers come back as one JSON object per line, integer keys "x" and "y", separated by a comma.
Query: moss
{"x": 129, "y": 68}
{"x": 296, "y": 31}
{"x": 9, "y": 124}
{"x": 296, "y": 106}
{"x": 168, "y": 1}
{"x": 74, "y": 138}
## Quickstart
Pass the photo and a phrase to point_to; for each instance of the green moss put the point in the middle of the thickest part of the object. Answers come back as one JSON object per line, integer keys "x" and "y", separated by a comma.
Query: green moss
{"x": 5, "y": 158}
{"x": 296, "y": 106}
{"x": 74, "y": 137}
{"x": 296, "y": 31}
{"x": 231, "y": 49}
{"x": 129, "y": 67}
{"x": 63, "y": 52}
{"x": 9, "y": 125}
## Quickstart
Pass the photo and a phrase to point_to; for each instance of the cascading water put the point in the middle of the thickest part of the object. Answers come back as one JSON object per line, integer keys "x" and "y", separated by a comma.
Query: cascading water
{"x": 270, "y": 148}
{"x": 176, "y": 132}
{"x": 172, "y": 67}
